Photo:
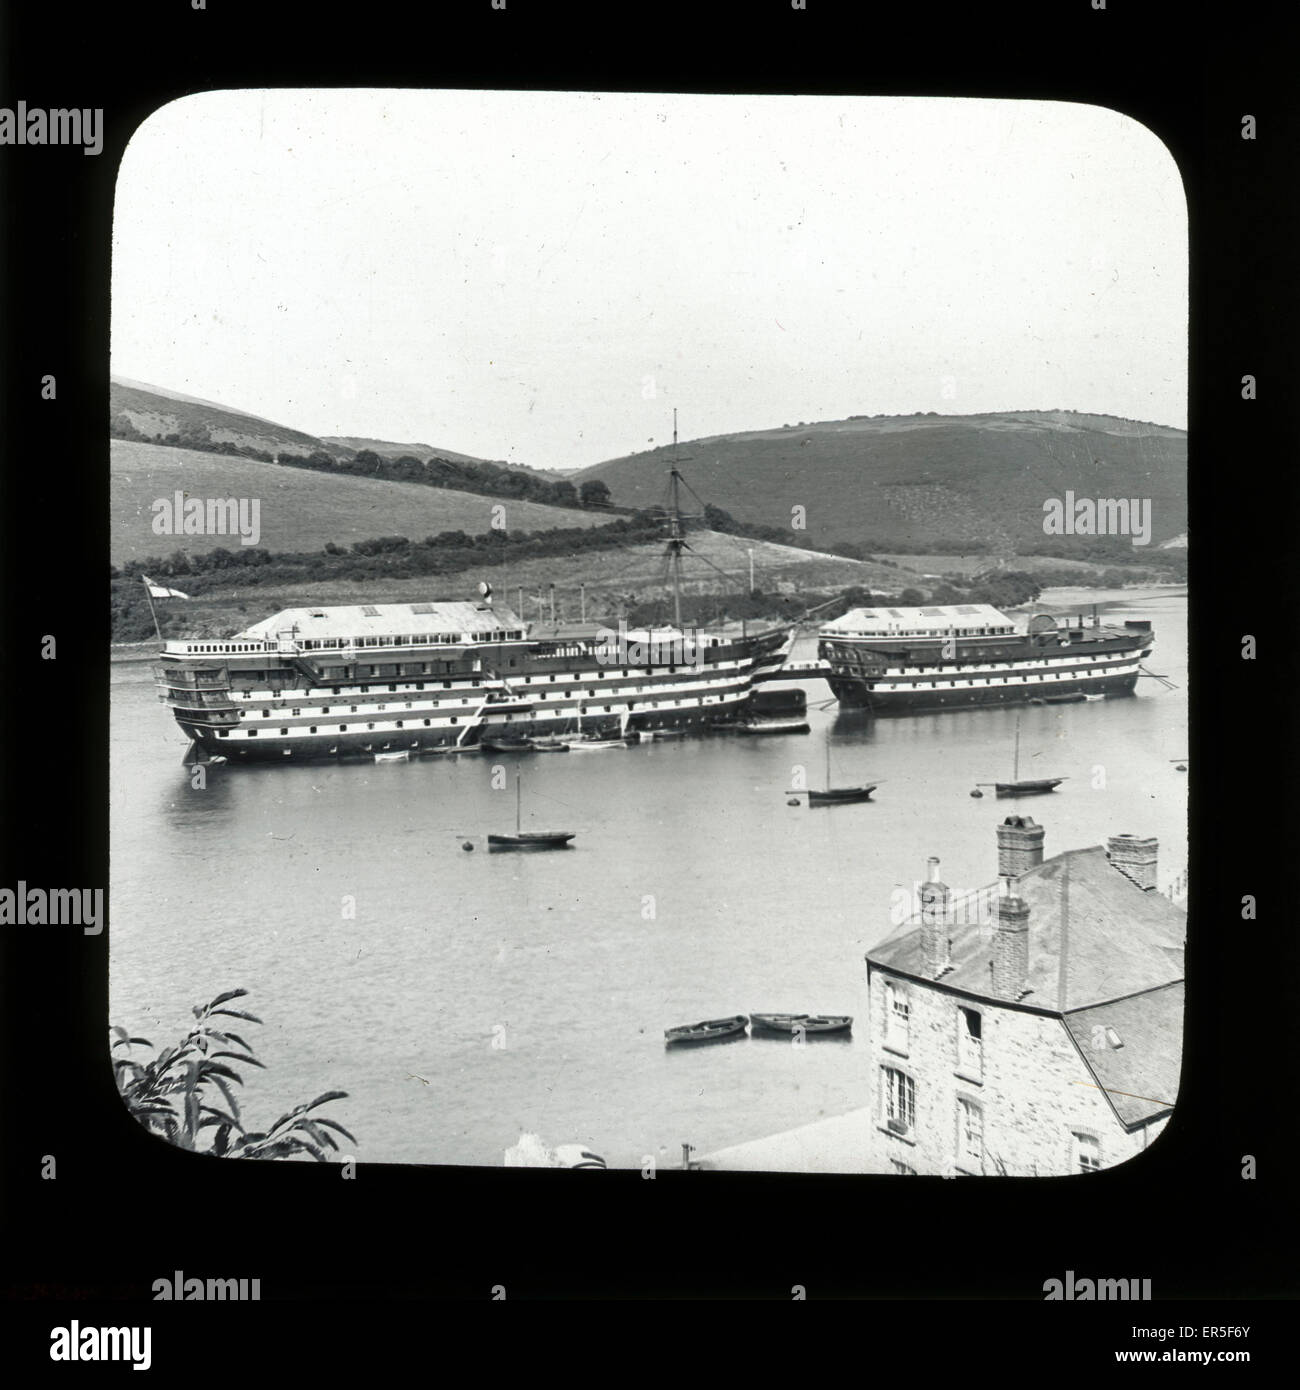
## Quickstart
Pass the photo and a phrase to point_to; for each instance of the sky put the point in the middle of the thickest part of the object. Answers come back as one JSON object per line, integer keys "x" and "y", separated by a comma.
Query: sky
{"x": 543, "y": 277}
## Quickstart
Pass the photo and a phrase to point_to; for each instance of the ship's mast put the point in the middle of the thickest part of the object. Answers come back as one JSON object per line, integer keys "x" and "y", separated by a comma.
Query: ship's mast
{"x": 675, "y": 538}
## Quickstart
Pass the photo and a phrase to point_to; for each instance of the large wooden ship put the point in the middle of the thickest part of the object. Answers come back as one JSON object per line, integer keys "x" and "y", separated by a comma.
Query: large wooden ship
{"x": 373, "y": 679}
{"x": 888, "y": 660}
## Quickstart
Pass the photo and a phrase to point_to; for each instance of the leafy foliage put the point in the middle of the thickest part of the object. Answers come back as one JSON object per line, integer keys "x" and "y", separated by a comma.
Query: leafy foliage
{"x": 175, "y": 1094}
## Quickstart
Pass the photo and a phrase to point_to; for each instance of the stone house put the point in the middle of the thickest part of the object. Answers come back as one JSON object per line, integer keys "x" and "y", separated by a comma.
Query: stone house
{"x": 1033, "y": 1027}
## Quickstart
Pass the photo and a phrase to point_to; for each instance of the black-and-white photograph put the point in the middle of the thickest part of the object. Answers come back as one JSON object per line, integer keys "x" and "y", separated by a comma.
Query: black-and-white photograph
{"x": 649, "y": 631}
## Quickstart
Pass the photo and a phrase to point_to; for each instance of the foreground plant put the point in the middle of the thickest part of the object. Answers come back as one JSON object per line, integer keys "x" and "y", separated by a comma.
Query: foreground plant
{"x": 171, "y": 1094}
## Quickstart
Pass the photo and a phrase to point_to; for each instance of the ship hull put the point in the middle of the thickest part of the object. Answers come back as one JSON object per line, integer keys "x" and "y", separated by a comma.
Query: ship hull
{"x": 885, "y": 675}
{"x": 857, "y": 693}
{"x": 247, "y": 704}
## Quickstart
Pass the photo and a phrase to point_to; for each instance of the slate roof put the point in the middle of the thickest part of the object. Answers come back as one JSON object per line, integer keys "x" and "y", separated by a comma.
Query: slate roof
{"x": 1140, "y": 1074}
{"x": 1119, "y": 940}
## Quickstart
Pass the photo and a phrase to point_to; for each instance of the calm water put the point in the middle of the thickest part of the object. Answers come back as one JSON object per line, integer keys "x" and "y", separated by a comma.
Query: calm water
{"x": 475, "y": 996}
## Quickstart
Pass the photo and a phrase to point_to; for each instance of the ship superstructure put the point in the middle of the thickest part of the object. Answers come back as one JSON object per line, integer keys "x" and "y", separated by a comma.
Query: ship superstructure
{"x": 894, "y": 659}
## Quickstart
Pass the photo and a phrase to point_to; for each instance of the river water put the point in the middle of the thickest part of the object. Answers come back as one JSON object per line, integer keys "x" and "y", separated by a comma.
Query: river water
{"x": 462, "y": 998}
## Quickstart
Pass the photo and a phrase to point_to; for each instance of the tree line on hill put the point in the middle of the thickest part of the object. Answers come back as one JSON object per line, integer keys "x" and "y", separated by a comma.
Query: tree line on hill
{"x": 484, "y": 479}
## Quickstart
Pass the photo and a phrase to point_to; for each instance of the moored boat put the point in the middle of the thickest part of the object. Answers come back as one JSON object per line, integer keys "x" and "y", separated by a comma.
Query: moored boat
{"x": 809, "y": 1024}
{"x": 537, "y": 839}
{"x": 893, "y": 660}
{"x": 505, "y": 744}
{"x": 1032, "y": 787}
{"x": 343, "y": 681}
{"x": 711, "y": 1030}
{"x": 529, "y": 839}
{"x": 753, "y": 728}
{"x": 836, "y": 796}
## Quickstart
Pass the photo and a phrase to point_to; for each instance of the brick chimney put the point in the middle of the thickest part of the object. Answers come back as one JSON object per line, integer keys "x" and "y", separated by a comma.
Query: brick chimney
{"x": 936, "y": 900}
{"x": 1011, "y": 947}
{"x": 1136, "y": 857}
{"x": 1020, "y": 846}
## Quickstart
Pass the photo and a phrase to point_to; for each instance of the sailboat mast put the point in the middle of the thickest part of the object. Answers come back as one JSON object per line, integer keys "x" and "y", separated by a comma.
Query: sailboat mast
{"x": 1015, "y": 772}
{"x": 518, "y": 798}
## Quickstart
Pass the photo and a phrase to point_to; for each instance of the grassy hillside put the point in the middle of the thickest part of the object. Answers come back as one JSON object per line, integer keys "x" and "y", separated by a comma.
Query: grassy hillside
{"x": 387, "y": 449}
{"x": 613, "y": 579}
{"x": 907, "y": 481}
{"x": 154, "y": 411}
{"x": 300, "y": 510}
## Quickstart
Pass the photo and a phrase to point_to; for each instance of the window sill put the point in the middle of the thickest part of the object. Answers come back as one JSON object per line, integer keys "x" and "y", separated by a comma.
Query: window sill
{"x": 974, "y": 1078}
{"x": 893, "y": 1134}
{"x": 895, "y": 1049}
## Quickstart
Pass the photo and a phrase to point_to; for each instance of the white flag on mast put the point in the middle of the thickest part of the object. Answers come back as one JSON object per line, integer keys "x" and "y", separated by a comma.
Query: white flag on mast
{"x": 157, "y": 590}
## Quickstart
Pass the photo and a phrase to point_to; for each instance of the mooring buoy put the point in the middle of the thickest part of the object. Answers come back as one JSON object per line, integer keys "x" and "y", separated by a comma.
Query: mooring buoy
{"x": 469, "y": 844}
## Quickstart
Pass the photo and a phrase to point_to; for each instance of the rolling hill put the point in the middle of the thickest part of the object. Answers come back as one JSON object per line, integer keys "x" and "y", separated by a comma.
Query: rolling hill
{"x": 907, "y": 481}
{"x": 387, "y": 449}
{"x": 300, "y": 509}
{"x": 153, "y": 410}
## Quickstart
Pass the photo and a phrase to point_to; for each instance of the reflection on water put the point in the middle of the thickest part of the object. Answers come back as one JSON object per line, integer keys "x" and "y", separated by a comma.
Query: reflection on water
{"x": 465, "y": 998}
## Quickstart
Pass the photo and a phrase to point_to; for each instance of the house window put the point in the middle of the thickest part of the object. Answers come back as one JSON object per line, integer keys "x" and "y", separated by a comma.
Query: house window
{"x": 970, "y": 1042}
{"x": 1087, "y": 1153}
{"x": 343, "y": 728}
{"x": 970, "y": 1134}
{"x": 899, "y": 1100}
{"x": 898, "y": 1012}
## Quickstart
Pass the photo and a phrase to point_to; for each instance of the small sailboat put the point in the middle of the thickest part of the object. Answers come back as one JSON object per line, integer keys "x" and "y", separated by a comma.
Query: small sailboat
{"x": 838, "y": 796}
{"x": 534, "y": 839}
{"x": 1033, "y": 786}
{"x": 548, "y": 744}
